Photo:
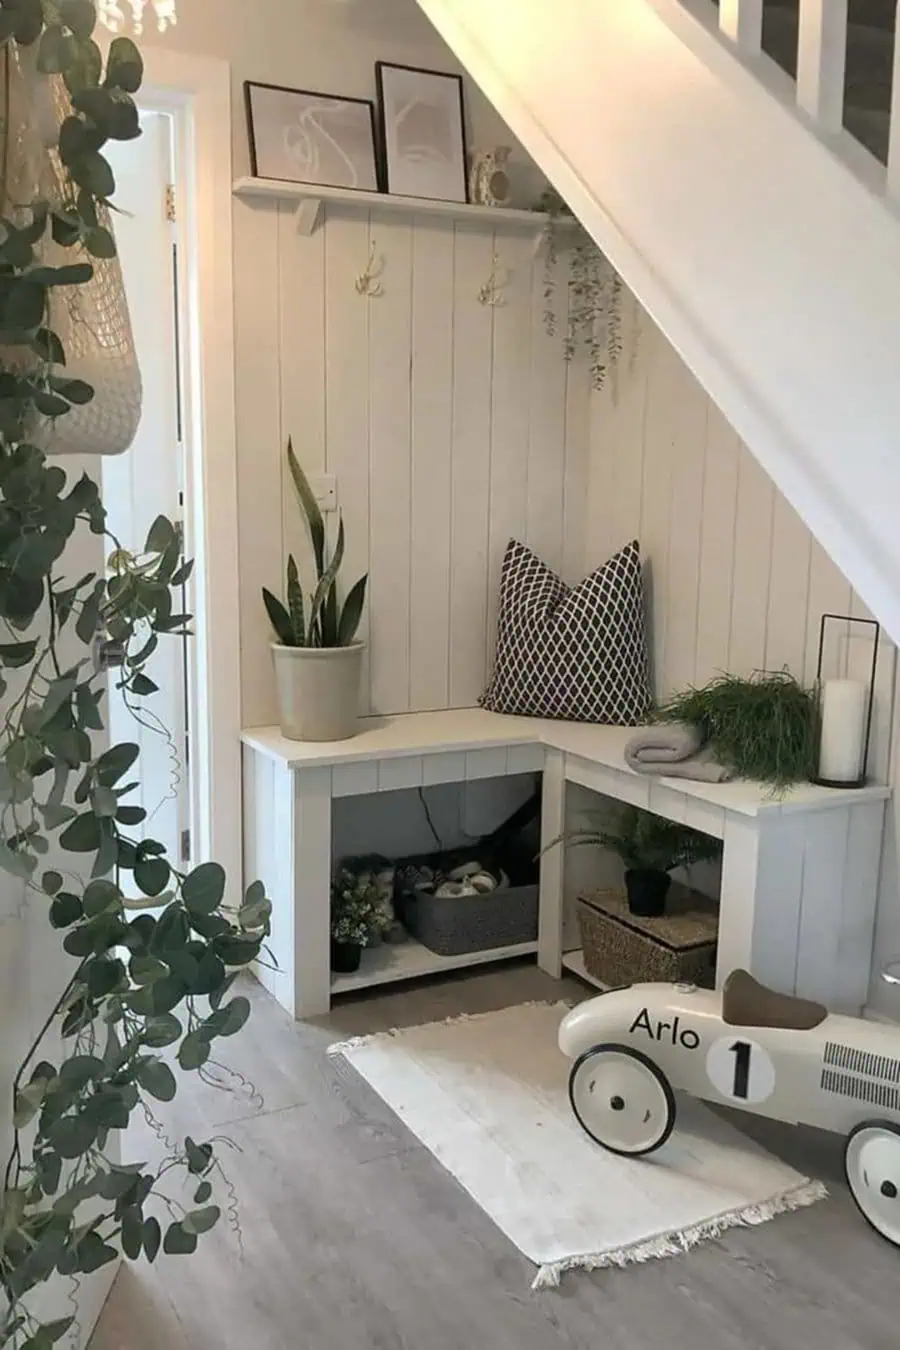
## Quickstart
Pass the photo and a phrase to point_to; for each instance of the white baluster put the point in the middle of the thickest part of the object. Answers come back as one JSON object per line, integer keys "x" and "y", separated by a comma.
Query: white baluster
{"x": 741, "y": 21}
{"x": 822, "y": 61}
{"x": 893, "y": 164}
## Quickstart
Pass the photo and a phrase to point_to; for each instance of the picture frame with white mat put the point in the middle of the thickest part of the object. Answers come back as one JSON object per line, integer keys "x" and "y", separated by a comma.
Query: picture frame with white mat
{"x": 423, "y": 132}
{"x": 301, "y": 136}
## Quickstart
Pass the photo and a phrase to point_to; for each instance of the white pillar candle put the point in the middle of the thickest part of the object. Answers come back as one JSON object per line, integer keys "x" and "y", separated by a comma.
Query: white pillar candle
{"x": 843, "y": 730}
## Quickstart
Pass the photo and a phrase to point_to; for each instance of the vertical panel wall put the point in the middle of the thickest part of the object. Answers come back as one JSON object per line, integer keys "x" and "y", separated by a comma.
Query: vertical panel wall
{"x": 450, "y": 425}
{"x": 736, "y": 580}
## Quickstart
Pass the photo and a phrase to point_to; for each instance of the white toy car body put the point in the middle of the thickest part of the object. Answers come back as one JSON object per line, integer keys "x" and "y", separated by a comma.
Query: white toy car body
{"x": 745, "y": 1046}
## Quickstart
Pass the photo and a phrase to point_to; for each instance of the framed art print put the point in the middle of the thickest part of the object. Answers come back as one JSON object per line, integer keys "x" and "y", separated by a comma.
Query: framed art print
{"x": 422, "y": 132}
{"x": 300, "y": 136}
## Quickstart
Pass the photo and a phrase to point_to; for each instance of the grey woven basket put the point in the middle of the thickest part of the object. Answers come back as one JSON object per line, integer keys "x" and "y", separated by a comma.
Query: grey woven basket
{"x": 458, "y": 925}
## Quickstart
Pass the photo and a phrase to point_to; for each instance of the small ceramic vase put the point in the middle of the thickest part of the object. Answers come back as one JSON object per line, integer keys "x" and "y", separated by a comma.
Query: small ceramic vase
{"x": 489, "y": 179}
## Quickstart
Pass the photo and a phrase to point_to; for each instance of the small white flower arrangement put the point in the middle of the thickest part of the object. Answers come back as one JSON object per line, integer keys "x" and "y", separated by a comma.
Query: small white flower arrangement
{"x": 358, "y": 913}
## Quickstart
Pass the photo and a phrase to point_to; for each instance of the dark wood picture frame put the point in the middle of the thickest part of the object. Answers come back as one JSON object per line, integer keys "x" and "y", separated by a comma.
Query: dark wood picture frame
{"x": 383, "y": 137}
{"x": 251, "y": 85}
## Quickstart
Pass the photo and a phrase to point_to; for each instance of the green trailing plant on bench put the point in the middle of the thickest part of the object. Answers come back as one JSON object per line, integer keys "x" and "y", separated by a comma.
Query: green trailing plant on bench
{"x": 151, "y": 977}
{"x": 322, "y": 622}
{"x": 765, "y": 727}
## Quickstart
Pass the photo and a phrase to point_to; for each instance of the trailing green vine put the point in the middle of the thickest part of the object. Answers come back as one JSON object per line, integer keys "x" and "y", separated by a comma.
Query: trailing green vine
{"x": 595, "y": 292}
{"x": 154, "y": 950}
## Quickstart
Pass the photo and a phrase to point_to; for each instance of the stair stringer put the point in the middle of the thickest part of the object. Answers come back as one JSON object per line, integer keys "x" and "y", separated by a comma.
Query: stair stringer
{"x": 769, "y": 265}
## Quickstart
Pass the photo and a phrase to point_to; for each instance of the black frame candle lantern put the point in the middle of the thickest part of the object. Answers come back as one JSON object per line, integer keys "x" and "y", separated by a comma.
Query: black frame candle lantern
{"x": 848, "y": 619}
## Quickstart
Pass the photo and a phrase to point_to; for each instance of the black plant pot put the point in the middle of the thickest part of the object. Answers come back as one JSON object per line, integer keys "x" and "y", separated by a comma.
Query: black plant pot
{"x": 345, "y": 957}
{"x": 647, "y": 890}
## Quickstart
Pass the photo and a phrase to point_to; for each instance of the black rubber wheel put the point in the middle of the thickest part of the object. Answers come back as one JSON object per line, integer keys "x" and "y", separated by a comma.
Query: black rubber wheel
{"x": 658, "y": 1104}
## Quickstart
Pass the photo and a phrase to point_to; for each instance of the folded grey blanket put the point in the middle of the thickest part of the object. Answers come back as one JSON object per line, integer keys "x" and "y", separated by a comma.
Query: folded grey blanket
{"x": 674, "y": 750}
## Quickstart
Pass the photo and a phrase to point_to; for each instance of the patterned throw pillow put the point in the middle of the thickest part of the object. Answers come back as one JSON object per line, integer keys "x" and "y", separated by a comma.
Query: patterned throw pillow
{"x": 577, "y": 653}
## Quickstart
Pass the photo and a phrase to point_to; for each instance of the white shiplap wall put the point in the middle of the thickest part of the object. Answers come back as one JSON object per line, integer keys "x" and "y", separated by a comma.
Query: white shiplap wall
{"x": 737, "y": 582}
{"x": 450, "y": 426}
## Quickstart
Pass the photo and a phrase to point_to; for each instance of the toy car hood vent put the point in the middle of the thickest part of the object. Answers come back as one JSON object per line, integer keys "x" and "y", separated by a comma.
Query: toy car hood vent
{"x": 861, "y": 1061}
{"x": 843, "y": 1067}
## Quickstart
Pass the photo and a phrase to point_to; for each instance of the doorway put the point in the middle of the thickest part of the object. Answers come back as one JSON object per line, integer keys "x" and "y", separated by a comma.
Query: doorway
{"x": 195, "y": 94}
{"x": 150, "y": 480}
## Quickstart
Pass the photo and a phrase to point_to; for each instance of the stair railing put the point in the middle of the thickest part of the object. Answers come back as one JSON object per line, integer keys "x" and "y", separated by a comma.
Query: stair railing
{"x": 821, "y": 65}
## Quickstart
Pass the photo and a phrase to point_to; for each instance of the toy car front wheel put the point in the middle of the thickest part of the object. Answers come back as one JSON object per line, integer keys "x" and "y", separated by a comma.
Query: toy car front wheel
{"x": 872, "y": 1168}
{"x": 622, "y": 1100}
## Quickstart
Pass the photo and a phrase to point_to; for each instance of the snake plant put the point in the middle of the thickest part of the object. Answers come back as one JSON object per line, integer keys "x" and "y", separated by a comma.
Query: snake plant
{"x": 326, "y": 624}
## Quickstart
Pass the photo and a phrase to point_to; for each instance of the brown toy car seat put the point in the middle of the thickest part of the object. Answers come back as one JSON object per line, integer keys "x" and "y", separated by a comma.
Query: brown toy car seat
{"x": 747, "y": 1003}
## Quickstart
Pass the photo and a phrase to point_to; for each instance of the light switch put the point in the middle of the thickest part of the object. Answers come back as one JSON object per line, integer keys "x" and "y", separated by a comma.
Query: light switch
{"x": 324, "y": 486}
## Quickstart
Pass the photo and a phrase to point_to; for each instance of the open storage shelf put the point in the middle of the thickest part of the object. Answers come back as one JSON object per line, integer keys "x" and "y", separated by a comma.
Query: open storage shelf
{"x": 292, "y": 787}
{"x": 410, "y": 960}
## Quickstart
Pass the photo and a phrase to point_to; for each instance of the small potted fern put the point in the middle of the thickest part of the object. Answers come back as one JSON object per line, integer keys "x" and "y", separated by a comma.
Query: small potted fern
{"x": 318, "y": 660}
{"x": 651, "y": 848}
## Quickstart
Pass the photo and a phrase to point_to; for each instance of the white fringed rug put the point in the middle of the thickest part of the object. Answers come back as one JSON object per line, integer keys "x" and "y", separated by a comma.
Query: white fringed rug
{"x": 488, "y": 1096}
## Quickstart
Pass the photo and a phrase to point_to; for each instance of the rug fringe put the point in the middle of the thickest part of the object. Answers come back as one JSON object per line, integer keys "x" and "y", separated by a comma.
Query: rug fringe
{"x": 354, "y": 1043}
{"x": 676, "y": 1243}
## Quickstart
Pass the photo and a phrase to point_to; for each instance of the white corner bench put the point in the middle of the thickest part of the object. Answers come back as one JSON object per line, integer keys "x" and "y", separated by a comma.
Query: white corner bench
{"x": 799, "y": 875}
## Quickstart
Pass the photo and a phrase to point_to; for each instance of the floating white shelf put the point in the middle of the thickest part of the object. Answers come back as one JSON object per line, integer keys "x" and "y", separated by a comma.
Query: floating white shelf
{"x": 574, "y": 963}
{"x": 410, "y": 960}
{"x": 312, "y": 199}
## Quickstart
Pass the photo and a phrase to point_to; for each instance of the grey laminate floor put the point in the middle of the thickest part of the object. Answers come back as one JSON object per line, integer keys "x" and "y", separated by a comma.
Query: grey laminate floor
{"x": 354, "y": 1238}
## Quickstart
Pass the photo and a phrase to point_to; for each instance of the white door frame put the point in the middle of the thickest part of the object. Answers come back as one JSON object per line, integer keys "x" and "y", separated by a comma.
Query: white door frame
{"x": 197, "y": 91}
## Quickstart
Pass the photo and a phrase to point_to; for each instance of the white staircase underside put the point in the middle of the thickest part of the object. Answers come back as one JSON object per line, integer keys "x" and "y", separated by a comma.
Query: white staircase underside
{"x": 772, "y": 268}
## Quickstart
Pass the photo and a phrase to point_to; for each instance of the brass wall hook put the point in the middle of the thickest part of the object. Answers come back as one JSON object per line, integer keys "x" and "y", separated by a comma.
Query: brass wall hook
{"x": 491, "y": 293}
{"x": 368, "y": 282}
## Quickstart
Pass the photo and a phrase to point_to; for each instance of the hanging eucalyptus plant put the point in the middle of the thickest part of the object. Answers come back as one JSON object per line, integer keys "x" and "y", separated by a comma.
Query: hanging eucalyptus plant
{"x": 595, "y": 291}
{"x": 151, "y": 977}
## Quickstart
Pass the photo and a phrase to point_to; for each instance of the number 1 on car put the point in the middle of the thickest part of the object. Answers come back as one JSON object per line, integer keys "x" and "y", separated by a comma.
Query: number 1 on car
{"x": 740, "y": 1071}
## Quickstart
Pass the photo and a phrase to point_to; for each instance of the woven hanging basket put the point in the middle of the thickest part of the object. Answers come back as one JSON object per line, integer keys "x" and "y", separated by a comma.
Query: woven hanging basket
{"x": 92, "y": 321}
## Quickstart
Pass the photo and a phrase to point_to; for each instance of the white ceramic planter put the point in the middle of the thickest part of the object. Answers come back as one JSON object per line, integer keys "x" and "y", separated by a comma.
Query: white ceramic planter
{"x": 318, "y": 691}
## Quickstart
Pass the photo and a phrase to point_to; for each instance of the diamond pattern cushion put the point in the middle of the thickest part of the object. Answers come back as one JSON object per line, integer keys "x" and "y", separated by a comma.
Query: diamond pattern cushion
{"x": 577, "y": 653}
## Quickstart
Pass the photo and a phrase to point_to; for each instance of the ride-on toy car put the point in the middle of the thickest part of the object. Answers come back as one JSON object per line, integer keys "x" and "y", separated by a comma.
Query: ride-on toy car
{"x": 747, "y": 1046}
